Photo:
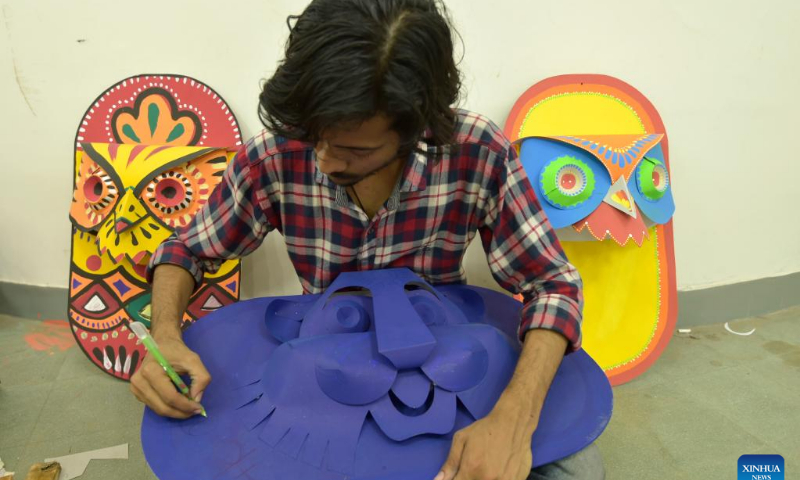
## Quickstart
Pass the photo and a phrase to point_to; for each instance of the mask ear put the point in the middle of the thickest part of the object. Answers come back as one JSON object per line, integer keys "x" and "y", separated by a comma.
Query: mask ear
{"x": 284, "y": 317}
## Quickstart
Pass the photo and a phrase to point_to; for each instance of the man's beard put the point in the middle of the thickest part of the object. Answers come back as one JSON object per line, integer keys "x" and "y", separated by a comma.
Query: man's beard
{"x": 350, "y": 180}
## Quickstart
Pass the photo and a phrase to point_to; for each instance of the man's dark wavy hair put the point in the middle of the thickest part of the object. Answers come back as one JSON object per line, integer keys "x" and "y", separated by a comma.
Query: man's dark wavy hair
{"x": 348, "y": 60}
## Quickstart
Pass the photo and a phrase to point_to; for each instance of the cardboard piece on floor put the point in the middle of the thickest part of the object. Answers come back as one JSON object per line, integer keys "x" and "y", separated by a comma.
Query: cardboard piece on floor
{"x": 44, "y": 471}
{"x": 3, "y": 474}
{"x": 73, "y": 466}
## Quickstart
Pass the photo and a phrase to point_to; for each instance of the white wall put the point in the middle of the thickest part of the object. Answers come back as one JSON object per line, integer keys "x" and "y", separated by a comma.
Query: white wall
{"x": 724, "y": 76}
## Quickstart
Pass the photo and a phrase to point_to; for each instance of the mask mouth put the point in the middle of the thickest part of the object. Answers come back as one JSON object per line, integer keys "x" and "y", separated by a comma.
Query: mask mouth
{"x": 96, "y": 303}
{"x": 208, "y": 300}
{"x": 409, "y": 411}
{"x": 606, "y": 221}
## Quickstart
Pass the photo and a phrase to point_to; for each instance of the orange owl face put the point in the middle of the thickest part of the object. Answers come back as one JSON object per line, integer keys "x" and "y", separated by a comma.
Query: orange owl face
{"x": 133, "y": 196}
{"x": 143, "y": 168}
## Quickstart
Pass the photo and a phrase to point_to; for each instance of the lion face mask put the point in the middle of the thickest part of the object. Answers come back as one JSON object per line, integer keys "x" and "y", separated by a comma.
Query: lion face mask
{"x": 369, "y": 380}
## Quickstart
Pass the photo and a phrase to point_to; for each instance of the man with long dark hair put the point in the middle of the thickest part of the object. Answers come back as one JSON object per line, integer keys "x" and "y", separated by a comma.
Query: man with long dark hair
{"x": 365, "y": 164}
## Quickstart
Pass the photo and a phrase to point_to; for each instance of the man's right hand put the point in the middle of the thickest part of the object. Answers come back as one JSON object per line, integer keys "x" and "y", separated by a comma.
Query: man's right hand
{"x": 151, "y": 385}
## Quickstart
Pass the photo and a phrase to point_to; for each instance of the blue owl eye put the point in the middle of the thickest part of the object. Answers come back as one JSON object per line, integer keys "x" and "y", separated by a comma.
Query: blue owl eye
{"x": 651, "y": 187}
{"x": 567, "y": 182}
{"x": 652, "y": 178}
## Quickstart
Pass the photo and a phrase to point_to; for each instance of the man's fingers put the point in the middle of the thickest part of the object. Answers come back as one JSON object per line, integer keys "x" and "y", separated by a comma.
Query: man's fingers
{"x": 163, "y": 387}
{"x": 145, "y": 394}
{"x": 186, "y": 361}
{"x": 450, "y": 467}
{"x": 152, "y": 385}
{"x": 200, "y": 376}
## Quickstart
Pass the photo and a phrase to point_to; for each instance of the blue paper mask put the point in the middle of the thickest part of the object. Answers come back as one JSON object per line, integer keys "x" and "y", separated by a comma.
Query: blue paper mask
{"x": 369, "y": 379}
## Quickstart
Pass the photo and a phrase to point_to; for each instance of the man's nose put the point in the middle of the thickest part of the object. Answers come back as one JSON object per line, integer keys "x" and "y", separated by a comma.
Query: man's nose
{"x": 326, "y": 161}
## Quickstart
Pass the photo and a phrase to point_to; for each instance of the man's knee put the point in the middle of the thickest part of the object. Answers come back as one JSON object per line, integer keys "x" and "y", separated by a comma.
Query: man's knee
{"x": 586, "y": 464}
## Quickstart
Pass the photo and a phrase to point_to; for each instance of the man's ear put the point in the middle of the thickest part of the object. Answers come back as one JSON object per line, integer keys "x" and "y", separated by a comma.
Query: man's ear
{"x": 284, "y": 317}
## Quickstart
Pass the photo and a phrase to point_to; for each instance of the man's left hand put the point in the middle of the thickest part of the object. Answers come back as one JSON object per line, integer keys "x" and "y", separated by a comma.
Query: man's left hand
{"x": 495, "y": 447}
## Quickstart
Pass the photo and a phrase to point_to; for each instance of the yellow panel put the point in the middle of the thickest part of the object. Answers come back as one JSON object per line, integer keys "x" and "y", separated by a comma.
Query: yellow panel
{"x": 581, "y": 113}
{"x": 86, "y": 256}
{"x": 88, "y": 260}
{"x": 224, "y": 269}
{"x": 622, "y": 297}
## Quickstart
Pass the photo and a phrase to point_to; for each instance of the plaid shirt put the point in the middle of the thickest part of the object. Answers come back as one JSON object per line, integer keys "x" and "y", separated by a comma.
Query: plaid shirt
{"x": 445, "y": 196}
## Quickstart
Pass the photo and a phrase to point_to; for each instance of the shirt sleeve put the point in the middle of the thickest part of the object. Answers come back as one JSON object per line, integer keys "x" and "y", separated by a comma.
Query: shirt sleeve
{"x": 526, "y": 257}
{"x": 230, "y": 225}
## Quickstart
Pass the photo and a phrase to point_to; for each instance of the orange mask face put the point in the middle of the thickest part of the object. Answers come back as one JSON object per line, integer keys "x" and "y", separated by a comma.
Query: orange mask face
{"x": 596, "y": 153}
{"x": 149, "y": 152}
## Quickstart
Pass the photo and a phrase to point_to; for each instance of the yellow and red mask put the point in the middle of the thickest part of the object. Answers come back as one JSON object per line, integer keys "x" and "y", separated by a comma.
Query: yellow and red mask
{"x": 149, "y": 152}
{"x": 596, "y": 153}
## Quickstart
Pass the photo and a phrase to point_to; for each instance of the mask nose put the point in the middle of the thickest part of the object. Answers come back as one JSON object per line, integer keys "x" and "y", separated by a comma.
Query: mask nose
{"x": 620, "y": 198}
{"x": 128, "y": 212}
{"x": 402, "y": 335}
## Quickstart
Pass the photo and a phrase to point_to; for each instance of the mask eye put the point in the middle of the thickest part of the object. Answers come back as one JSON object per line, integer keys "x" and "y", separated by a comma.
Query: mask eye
{"x": 567, "y": 182}
{"x": 652, "y": 179}
{"x": 426, "y": 303}
{"x": 99, "y": 190}
{"x": 170, "y": 192}
{"x": 348, "y": 316}
{"x": 175, "y": 196}
{"x": 347, "y": 310}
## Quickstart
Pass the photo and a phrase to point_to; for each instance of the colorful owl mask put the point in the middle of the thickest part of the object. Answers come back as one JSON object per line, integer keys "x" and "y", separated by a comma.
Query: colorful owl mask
{"x": 149, "y": 152}
{"x": 368, "y": 380}
{"x": 595, "y": 151}
{"x": 613, "y": 185}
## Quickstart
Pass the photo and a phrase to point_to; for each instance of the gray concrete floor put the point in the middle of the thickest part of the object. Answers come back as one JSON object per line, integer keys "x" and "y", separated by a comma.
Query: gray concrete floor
{"x": 711, "y": 397}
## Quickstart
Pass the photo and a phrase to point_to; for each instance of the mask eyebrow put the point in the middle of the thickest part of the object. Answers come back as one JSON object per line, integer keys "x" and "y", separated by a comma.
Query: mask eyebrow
{"x": 352, "y": 291}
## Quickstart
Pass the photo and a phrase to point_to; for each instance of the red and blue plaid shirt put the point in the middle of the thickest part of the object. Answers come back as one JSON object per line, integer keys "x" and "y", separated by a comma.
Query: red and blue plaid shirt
{"x": 445, "y": 196}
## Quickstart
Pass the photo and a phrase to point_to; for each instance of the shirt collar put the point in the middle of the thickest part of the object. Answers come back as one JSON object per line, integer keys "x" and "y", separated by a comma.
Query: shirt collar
{"x": 415, "y": 175}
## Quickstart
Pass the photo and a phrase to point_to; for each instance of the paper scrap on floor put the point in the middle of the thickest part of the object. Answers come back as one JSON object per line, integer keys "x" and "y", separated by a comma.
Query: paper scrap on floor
{"x": 73, "y": 466}
{"x": 3, "y": 473}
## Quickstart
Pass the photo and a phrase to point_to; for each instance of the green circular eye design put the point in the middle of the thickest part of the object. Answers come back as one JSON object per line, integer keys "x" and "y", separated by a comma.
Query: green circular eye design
{"x": 652, "y": 179}
{"x": 567, "y": 182}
